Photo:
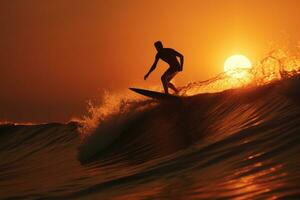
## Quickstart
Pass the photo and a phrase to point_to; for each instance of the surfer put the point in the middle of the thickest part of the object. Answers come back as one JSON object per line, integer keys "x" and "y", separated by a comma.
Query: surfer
{"x": 169, "y": 56}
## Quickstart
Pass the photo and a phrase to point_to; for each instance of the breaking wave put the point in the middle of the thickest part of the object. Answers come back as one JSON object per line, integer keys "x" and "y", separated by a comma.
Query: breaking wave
{"x": 226, "y": 139}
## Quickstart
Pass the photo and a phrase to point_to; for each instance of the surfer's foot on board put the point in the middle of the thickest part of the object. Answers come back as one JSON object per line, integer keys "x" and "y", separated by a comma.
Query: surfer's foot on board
{"x": 173, "y": 92}
{"x": 172, "y": 86}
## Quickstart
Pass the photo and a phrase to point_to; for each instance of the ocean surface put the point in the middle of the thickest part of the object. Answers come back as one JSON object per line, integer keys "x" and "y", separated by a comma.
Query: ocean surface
{"x": 241, "y": 143}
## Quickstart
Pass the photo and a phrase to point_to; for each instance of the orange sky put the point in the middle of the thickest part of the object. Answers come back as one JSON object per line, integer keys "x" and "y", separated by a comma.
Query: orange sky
{"x": 56, "y": 54}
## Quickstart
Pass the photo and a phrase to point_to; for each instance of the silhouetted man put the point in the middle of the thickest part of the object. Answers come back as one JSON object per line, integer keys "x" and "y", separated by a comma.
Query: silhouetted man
{"x": 169, "y": 56}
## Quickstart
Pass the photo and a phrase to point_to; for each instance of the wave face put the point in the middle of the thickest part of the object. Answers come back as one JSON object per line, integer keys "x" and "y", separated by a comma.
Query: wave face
{"x": 236, "y": 144}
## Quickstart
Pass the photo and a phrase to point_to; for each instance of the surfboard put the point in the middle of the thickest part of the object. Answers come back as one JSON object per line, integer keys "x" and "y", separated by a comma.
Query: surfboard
{"x": 154, "y": 94}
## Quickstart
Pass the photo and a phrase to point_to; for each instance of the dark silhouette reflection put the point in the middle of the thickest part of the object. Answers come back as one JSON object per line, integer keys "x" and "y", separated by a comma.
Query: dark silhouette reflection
{"x": 169, "y": 56}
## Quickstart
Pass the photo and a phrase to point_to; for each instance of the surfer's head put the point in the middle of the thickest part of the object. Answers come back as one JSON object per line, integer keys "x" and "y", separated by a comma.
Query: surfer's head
{"x": 158, "y": 45}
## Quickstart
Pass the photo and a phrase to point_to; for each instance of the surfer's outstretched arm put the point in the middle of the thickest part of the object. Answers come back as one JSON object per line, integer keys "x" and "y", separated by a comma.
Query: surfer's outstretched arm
{"x": 152, "y": 67}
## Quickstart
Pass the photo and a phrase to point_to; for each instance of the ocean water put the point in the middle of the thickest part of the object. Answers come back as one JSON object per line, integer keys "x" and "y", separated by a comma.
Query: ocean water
{"x": 241, "y": 143}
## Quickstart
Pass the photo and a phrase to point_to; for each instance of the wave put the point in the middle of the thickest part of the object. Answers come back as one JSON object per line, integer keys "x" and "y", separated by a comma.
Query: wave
{"x": 202, "y": 117}
{"x": 247, "y": 137}
{"x": 238, "y": 143}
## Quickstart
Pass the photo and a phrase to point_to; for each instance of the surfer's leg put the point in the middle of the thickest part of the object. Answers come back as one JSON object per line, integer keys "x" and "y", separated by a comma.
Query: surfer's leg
{"x": 164, "y": 80}
{"x": 171, "y": 85}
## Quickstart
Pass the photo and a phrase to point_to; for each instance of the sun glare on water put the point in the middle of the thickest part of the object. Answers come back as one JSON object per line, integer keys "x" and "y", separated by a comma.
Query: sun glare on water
{"x": 237, "y": 66}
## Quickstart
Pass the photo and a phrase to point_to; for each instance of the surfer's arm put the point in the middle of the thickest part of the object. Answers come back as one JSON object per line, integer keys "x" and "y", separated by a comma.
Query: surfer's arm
{"x": 181, "y": 61}
{"x": 180, "y": 57}
{"x": 152, "y": 67}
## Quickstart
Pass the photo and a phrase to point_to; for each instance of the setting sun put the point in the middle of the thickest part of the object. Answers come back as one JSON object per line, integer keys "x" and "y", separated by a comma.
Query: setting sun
{"x": 237, "y": 65}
